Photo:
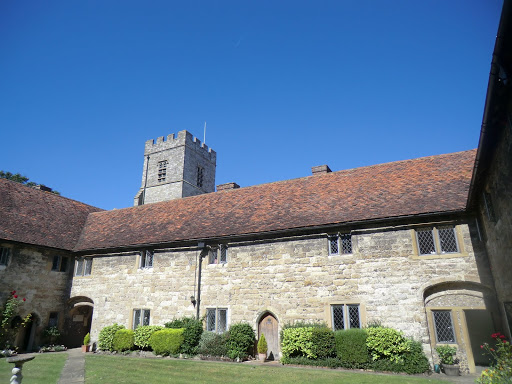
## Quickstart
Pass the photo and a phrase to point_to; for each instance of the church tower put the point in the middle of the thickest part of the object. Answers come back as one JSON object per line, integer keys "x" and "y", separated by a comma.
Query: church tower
{"x": 176, "y": 167}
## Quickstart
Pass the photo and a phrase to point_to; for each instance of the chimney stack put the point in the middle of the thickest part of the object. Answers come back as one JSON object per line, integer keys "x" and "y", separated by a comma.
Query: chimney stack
{"x": 320, "y": 169}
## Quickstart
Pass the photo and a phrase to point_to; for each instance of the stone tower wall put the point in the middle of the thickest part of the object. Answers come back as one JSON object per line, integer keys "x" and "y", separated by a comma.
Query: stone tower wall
{"x": 183, "y": 153}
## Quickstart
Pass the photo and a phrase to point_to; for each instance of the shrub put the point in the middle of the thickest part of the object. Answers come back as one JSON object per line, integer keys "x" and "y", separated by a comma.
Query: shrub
{"x": 87, "y": 339}
{"x": 412, "y": 362}
{"x": 351, "y": 347}
{"x": 446, "y": 354}
{"x": 415, "y": 360}
{"x": 51, "y": 334}
{"x": 501, "y": 370}
{"x": 212, "y": 344}
{"x": 166, "y": 341}
{"x": 297, "y": 342}
{"x": 386, "y": 343}
{"x": 106, "y": 337}
{"x": 192, "y": 333}
{"x": 262, "y": 344}
{"x": 143, "y": 333}
{"x": 123, "y": 340}
{"x": 323, "y": 343}
{"x": 240, "y": 341}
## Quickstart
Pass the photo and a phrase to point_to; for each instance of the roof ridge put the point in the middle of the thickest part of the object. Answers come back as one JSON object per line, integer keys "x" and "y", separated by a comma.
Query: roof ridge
{"x": 51, "y": 193}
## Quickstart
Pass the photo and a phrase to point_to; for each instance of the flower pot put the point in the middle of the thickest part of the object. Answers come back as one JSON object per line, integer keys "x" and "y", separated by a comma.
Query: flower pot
{"x": 451, "y": 370}
{"x": 262, "y": 356}
{"x": 85, "y": 348}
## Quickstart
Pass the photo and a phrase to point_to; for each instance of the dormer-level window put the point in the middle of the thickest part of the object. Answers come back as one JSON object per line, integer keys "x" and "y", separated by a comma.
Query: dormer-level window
{"x": 437, "y": 240}
{"x": 146, "y": 259}
{"x": 162, "y": 170}
{"x": 218, "y": 254}
{"x": 59, "y": 263}
{"x": 83, "y": 266}
{"x": 5, "y": 253}
{"x": 340, "y": 244}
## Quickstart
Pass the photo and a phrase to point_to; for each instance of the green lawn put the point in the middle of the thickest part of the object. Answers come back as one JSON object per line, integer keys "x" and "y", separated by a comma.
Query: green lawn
{"x": 44, "y": 369}
{"x": 119, "y": 369}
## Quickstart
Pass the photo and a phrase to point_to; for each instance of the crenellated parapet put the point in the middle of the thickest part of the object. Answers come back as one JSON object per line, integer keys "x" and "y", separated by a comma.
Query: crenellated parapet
{"x": 182, "y": 138}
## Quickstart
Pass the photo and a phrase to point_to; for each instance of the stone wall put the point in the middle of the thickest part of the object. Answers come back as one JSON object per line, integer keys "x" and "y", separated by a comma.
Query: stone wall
{"x": 295, "y": 279}
{"x": 497, "y": 226}
{"x": 29, "y": 274}
{"x": 183, "y": 153}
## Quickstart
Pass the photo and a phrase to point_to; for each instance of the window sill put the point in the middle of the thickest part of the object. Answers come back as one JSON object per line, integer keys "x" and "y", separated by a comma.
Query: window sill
{"x": 439, "y": 256}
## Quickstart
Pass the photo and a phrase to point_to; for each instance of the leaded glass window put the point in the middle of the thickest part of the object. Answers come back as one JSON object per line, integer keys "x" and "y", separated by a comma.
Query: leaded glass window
{"x": 448, "y": 240}
{"x": 426, "y": 242}
{"x": 345, "y": 316}
{"x": 141, "y": 317}
{"x": 217, "y": 320}
{"x": 333, "y": 245}
{"x": 83, "y": 266}
{"x": 146, "y": 259}
{"x": 437, "y": 240}
{"x": 443, "y": 325}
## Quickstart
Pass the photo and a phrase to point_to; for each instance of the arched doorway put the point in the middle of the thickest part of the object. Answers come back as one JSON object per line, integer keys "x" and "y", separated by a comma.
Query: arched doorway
{"x": 461, "y": 313}
{"x": 269, "y": 326}
{"x": 29, "y": 333}
{"x": 78, "y": 321}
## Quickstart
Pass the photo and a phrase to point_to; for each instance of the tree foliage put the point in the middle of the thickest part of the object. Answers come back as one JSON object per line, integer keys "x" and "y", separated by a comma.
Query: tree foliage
{"x": 18, "y": 178}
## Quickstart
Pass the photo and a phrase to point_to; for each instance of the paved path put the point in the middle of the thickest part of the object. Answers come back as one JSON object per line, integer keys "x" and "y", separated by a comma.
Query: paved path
{"x": 74, "y": 369}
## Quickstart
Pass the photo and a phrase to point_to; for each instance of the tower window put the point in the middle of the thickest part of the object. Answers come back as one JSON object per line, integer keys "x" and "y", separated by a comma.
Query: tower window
{"x": 200, "y": 176}
{"x": 162, "y": 170}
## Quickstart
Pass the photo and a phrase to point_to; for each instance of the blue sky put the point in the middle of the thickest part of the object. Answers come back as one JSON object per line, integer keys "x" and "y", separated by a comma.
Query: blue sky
{"x": 282, "y": 85}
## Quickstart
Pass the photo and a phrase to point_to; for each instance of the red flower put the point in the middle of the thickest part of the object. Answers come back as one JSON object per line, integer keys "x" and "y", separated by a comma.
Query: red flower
{"x": 502, "y": 337}
{"x": 482, "y": 346}
{"x": 492, "y": 349}
{"x": 15, "y": 296}
{"x": 24, "y": 299}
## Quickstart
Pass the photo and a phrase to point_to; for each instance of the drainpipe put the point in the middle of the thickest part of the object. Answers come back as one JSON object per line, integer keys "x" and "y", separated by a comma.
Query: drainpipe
{"x": 145, "y": 182}
{"x": 204, "y": 251}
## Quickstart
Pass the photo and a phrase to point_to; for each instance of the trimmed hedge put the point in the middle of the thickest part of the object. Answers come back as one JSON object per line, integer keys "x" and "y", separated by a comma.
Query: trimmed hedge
{"x": 212, "y": 344}
{"x": 351, "y": 347}
{"x": 106, "y": 337}
{"x": 310, "y": 342}
{"x": 143, "y": 333}
{"x": 166, "y": 341}
{"x": 123, "y": 340}
{"x": 192, "y": 333}
{"x": 323, "y": 343}
{"x": 387, "y": 343}
{"x": 240, "y": 341}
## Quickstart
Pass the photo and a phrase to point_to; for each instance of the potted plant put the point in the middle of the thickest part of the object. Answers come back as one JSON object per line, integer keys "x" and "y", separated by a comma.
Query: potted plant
{"x": 262, "y": 348}
{"x": 87, "y": 340}
{"x": 448, "y": 361}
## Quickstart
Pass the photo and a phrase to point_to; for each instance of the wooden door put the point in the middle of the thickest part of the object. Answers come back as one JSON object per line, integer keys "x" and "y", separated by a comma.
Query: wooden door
{"x": 268, "y": 326}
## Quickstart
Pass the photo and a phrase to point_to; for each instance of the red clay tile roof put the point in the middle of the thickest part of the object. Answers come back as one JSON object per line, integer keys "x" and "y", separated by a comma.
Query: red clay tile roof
{"x": 427, "y": 185}
{"x": 42, "y": 218}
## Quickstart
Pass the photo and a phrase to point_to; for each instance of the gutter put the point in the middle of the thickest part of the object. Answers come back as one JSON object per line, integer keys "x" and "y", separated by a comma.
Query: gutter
{"x": 489, "y": 100}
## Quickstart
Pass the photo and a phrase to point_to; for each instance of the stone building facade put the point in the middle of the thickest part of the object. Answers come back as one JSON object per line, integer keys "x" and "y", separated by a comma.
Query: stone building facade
{"x": 490, "y": 195}
{"x": 421, "y": 245}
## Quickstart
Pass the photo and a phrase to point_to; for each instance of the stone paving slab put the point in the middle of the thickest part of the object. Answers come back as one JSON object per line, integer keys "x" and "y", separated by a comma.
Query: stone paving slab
{"x": 74, "y": 369}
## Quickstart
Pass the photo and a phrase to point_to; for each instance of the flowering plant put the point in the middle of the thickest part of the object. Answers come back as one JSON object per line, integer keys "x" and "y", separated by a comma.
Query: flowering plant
{"x": 7, "y": 313}
{"x": 501, "y": 371}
